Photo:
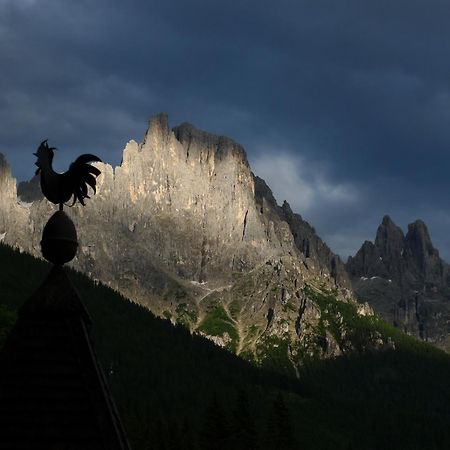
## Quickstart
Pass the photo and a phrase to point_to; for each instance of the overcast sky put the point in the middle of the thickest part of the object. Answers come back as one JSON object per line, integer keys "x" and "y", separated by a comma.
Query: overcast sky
{"x": 343, "y": 106}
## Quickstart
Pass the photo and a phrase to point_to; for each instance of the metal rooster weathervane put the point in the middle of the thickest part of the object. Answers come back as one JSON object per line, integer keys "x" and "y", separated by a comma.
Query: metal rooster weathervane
{"x": 59, "y": 239}
{"x": 59, "y": 187}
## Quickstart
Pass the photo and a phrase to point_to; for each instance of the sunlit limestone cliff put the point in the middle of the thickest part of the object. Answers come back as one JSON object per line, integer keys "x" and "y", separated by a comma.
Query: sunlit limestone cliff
{"x": 183, "y": 227}
{"x": 13, "y": 214}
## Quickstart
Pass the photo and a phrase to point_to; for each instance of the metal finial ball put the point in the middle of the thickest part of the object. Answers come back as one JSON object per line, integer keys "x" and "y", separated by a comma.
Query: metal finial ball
{"x": 59, "y": 239}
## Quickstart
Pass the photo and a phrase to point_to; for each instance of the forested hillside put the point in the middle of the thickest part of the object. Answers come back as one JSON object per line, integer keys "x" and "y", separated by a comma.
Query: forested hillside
{"x": 177, "y": 390}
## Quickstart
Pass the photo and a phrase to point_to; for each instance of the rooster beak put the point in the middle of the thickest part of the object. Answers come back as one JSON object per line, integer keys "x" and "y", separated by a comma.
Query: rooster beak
{"x": 35, "y": 154}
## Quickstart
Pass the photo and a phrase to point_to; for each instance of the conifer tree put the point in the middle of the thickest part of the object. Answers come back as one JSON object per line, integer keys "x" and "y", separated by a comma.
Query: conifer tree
{"x": 244, "y": 432}
{"x": 173, "y": 437}
{"x": 215, "y": 433}
{"x": 187, "y": 439}
{"x": 279, "y": 434}
{"x": 159, "y": 435}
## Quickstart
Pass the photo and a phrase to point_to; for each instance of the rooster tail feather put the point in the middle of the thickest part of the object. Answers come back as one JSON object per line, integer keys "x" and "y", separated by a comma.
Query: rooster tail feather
{"x": 93, "y": 170}
{"x": 84, "y": 175}
{"x": 91, "y": 181}
{"x": 88, "y": 169}
{"x": 74, "y": 201}
{"x": 83, "y": 189}
{"x": 87, "y": 158}
{"x": 79, "y": 195}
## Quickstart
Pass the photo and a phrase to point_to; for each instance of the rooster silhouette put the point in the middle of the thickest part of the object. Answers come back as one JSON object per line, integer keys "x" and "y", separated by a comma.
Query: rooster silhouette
{"x": 60, "y": 187}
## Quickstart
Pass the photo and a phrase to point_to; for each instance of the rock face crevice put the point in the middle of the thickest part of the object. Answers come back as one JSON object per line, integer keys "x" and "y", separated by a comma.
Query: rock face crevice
{"x": 404, "y": 279}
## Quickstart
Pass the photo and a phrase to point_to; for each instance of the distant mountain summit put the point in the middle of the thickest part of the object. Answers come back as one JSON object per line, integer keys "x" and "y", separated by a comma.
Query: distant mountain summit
{"x": 404, "y": 279}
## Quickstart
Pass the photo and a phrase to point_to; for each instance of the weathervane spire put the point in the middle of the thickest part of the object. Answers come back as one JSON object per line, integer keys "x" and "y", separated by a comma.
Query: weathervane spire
{"x": 59, "y": 238}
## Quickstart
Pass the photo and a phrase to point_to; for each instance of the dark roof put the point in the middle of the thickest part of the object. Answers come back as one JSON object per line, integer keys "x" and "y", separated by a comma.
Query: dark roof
{"x": 53, "y": 393}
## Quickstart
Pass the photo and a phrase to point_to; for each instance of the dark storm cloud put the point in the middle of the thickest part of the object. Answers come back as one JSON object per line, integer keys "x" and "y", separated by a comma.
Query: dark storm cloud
{"x": 357, "y": 92}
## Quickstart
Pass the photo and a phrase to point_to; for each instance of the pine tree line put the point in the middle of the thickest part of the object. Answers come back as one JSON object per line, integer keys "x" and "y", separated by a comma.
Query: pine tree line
{"x": 220, "y": 429}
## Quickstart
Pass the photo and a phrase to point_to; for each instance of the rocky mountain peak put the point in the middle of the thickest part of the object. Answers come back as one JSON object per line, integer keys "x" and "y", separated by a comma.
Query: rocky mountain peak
{"x": 158, "y": 127}
{"x": 367, "y": 262}
{"x": 263, "y": 194}
{"x": 389, "y": 238}
{"x": 422, "y": 257}
{"x": 196, "y": 141}
{"x": 7, "y": 182}
{"x": 2, "y": 160}
{"x": 387, "y": 221}
{"x": 404, "y": 279}
{"x": 418, "y": 235}
{"x": 316, "y": 251}
{"x": 5, "y": 170}
{"x": 286, "y": 207}
{"x": 12, "y": 218}
{"x": 389, "y": 242}
{"x": 403, "y": 257}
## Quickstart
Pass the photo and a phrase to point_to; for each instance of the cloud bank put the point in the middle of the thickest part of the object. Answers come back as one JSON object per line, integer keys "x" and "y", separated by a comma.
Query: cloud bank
{"x": 357, "y": 91}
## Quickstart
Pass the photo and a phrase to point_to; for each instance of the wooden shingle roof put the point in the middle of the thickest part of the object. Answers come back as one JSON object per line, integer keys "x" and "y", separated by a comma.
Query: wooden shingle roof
{"x": 53, "y": 394}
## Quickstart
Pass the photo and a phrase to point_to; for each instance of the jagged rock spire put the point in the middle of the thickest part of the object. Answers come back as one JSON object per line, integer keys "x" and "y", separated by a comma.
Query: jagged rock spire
{"x": 404, "y": 279}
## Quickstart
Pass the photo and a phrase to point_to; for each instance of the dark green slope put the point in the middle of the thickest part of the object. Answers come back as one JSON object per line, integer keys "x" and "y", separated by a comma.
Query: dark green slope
{"x": 179, "y": 391}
